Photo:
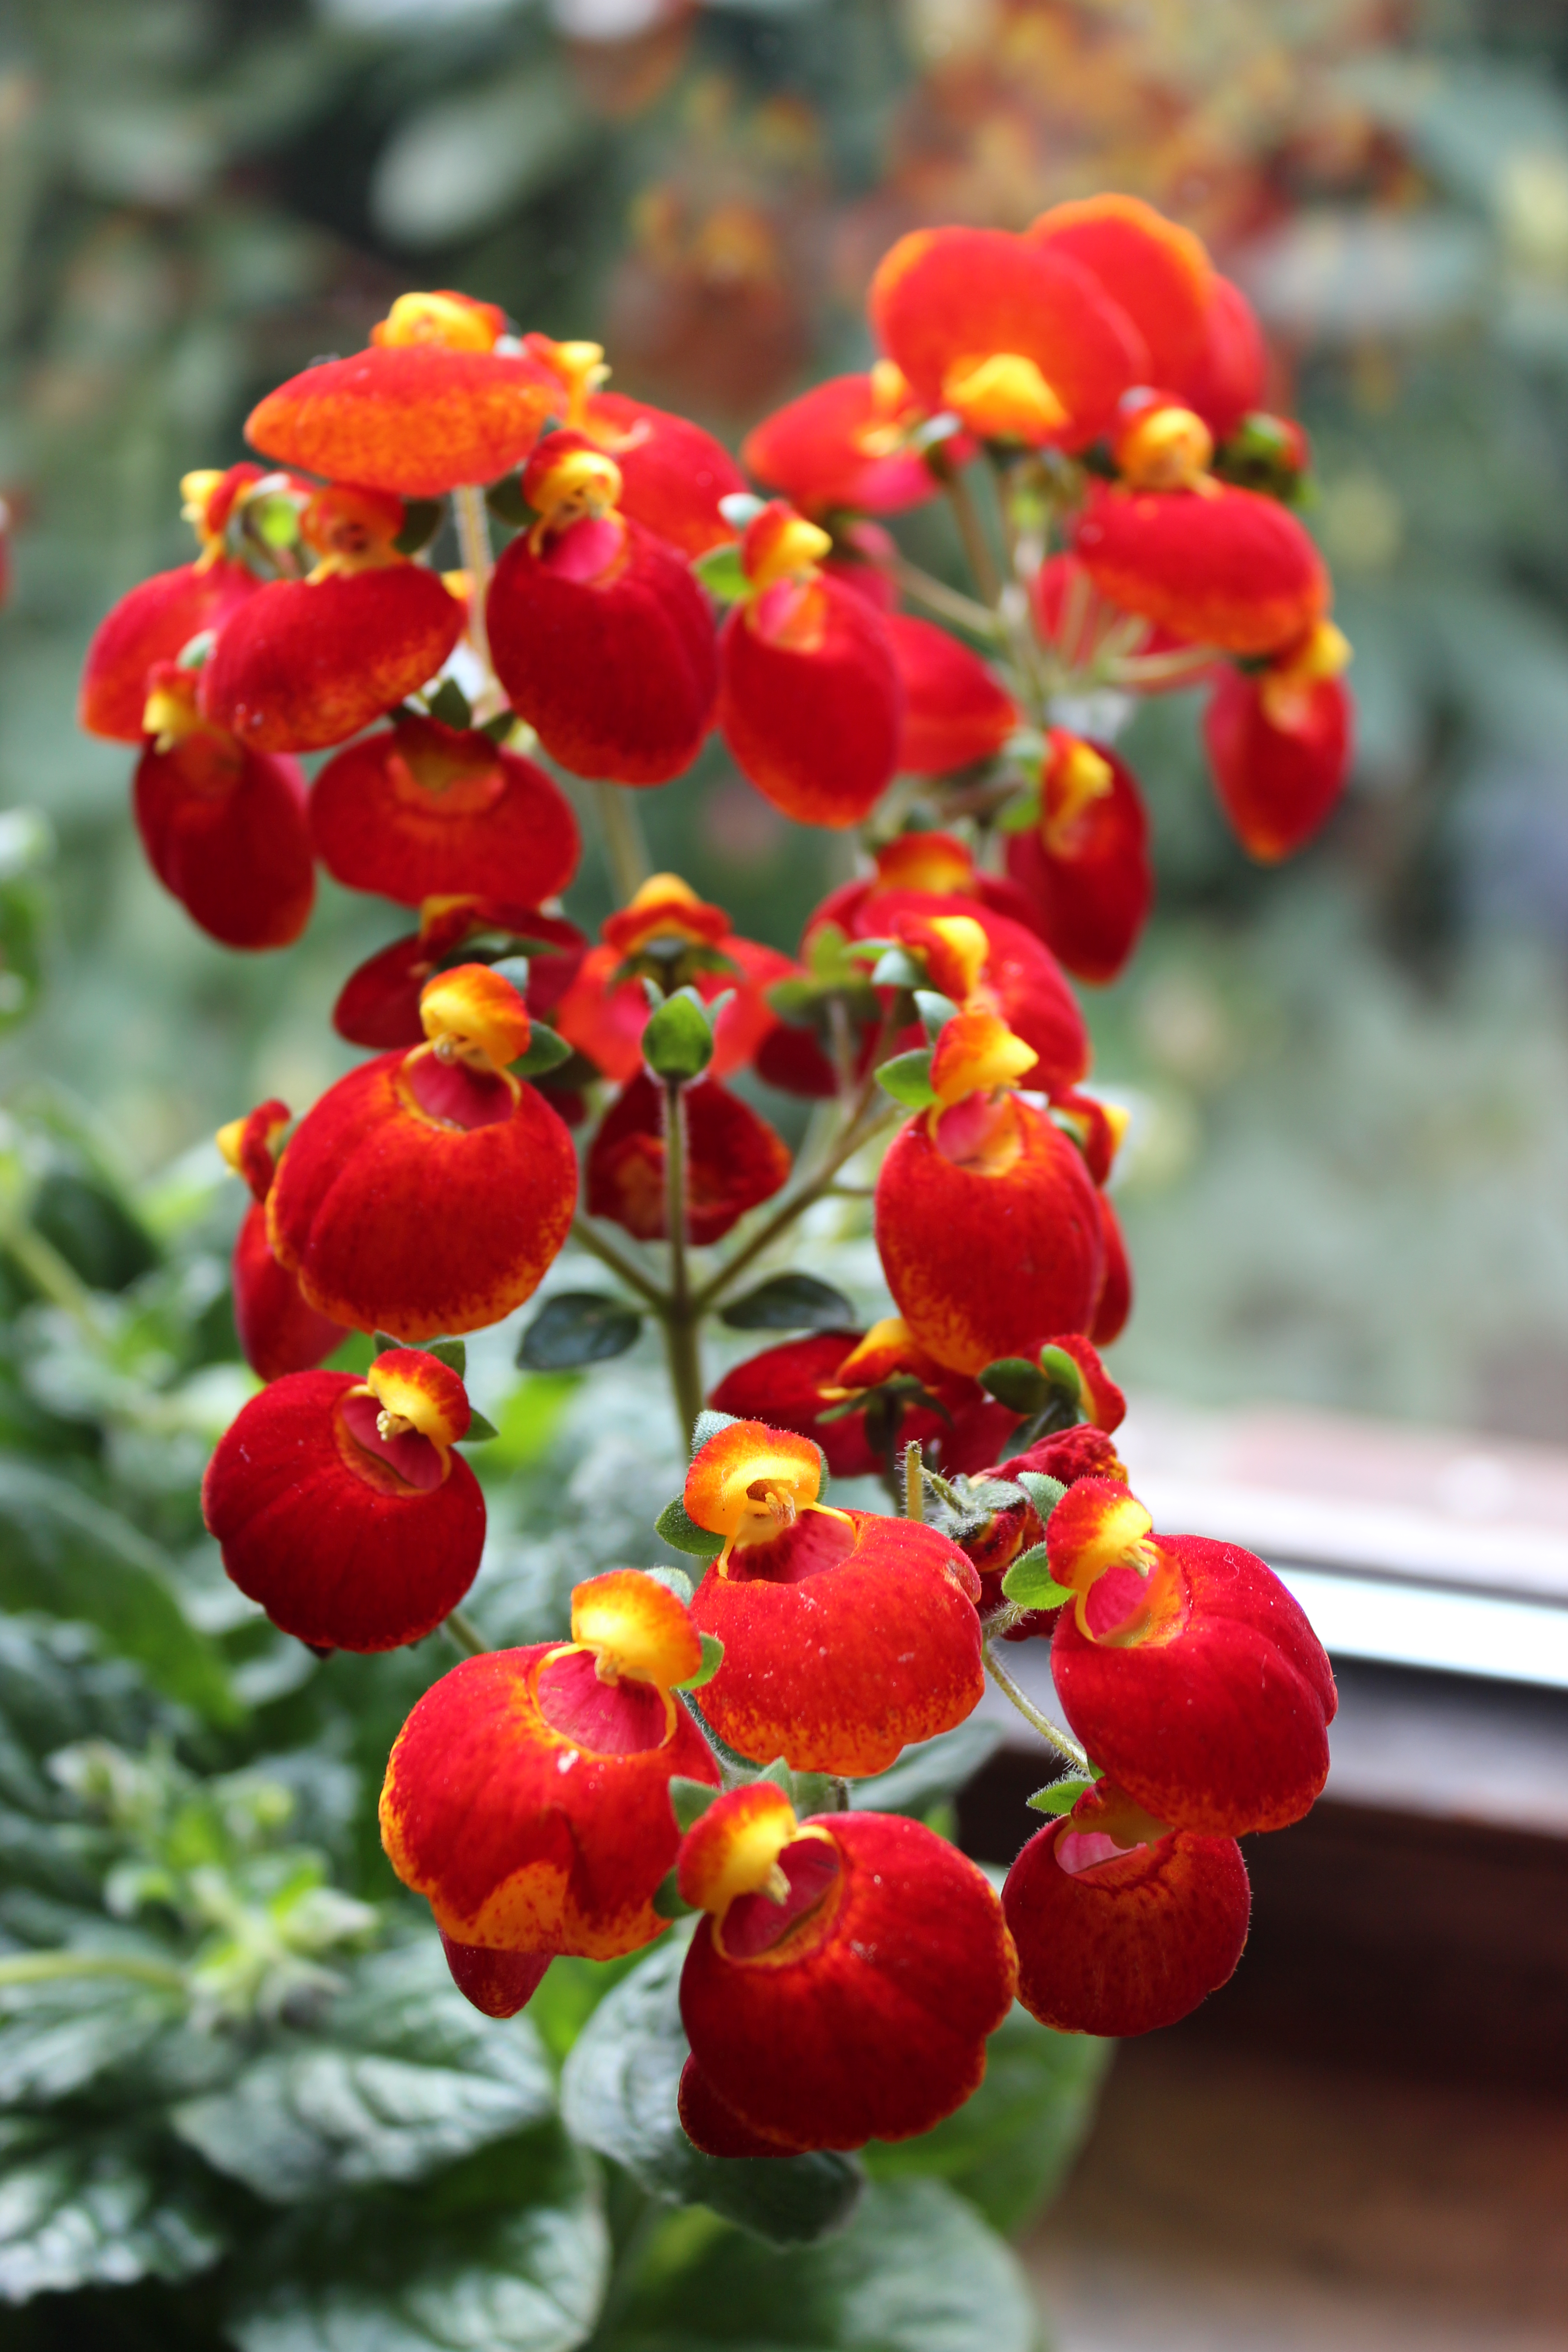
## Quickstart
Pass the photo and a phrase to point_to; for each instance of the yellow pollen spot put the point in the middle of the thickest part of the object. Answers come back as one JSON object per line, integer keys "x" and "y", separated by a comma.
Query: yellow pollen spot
{"x": 582, "y": 484}
{"x": 1079, "y": 776}
{"x": 1003, "y": 396}
{"x": 228, "y": 1139}
{"x": 454, "y": 326}
{"x": 794, "y": 548}
{"x": 392, "y": 1424}
{"x": 1287, "y": 689}
{"x": 968, "y": 943}
{"x": 1164, "y": 449}
{"x": 170, "y": 716}
{"x": 976, "y": 1053}
{"x": 582, "y": 366}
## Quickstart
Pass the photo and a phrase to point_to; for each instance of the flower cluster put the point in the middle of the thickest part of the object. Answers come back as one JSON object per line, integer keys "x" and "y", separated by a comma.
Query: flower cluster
{"x": 692, "y": 1751}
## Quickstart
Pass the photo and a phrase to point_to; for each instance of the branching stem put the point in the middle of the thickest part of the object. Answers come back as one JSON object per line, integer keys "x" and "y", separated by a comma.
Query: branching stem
{"x": 52, "y": 1967}
{"x": 464, "y": 1633}
{"x": 619, "y": 1264}
{"x": 1062, "y": 1742}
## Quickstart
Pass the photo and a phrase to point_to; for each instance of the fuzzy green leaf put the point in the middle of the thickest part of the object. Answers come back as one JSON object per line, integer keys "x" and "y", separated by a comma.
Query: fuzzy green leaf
{"x": 712, "y": 1659}
{"x": 1029, "y": 1584}
{"x": 1060, "y": 1796}
{"x": 708, "y": 1423}
{"x": 546, "y": 1051}
{"x": 790, "y": 1302}
{"x": 906, "y": 1077}
{"x": 577, "y": 1328}
{"x": 1017, "y": 1384}
{"x": 683, "y": 1534}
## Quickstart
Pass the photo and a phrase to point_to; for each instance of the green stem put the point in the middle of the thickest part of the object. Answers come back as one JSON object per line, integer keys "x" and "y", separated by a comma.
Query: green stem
{"x": 49, "y": 1272}
{"x": 474, "y": 546}
{"x": 464, "y": 1633}
{"x": 618, "y": 1263}
{"x": 939, "y": 598}
{"x": 914, "y": 1485}
{"x": 1062, "y": 1742}
{"x": 681, "y": 1319}
{"x": 859, "y": 1131}
{"x": 49, "y": 1968}
{"x": 625, "y": 851}
{"x": 976, "y": 546}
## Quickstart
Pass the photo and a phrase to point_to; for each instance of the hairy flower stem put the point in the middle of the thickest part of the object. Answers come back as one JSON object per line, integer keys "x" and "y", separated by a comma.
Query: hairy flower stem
{"x": 1062, "y": 1742}
{"x": 914, "y": 1483}
{"x": 464, "y": 1633}
{"x": 937, "y": 597}
{"x": 474, "y": 546}
{"x": 618, "y": 1263}
{"x": 50, "y": 1968}
{"x": 976, "y": 546}
{"x": 859, "y": 1131}
{"x": 625, "y": 851}
{"x": 681, "y": 1319}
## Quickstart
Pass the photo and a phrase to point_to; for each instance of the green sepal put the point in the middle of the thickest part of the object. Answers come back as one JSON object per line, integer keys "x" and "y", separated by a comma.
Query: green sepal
{"x": 674, "y": 1580}
{"x": 1065, "y": 1375}
{"x": 817, "y": 1792}
{"x": 507, "y": 503}
{"x": 450, "y": 705}
{"x": 712, "y": 1659}
{"x": 789, "y": 1302}
{"x": 906, "y": 1077}
{"x": 1043, "y": 1492}
{"x": 677, "y": 1043}
{"x": 1061, "y": 1797}
{"x": 577, "y": 1328}
{"x": 498, "y": 729}
{"x": 897, "y": 969}
{"x": 547, "y": 1049}
{"x": 1029, "y": 1585}
{"x": 479, "y": 1431}
{"x": 689, "y": 1800}
{"x": 452, "y": 1353}
{"x": 667, "y": 1900}
{"x": 1021, "y": 815}
{"x": 935, "y": 1012}
{"x": 513, "y": 968}
{"x": 723, "y": 574}
{"x": 1017, "y": 1384}
{"x": 708, "y": 1425}
{"x": 422, "y": 518}
{"x": 681, "y": 1533}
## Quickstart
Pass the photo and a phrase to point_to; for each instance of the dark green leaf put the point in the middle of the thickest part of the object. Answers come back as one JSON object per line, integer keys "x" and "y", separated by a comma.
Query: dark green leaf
{"x": 69, "y": 1557}
{"x": 1011, "y": 2145}
{"x": 507, "y": 503}
{"x": 677, "y": 1043}
{"x": 505, "y": 2252}
{"x": 450, "y": 705}
{"x": 95, "y": 2209}
{"x": 479, "y": 1431}
{"x": 689, "y": 1800}
{"x": 790, "y": 1302}
{"x": 708, "y": 1425}
{"x": 1043, "y": 1492}
{"x": 683, "y": 1534}
{"x": 712, "y": 1659}
{"x": 619, "y": 2094}
{"x": 1061, "y": 1796}
{"x": 906, "y": 1077}
{"x": 513, "y": 968}
{"x": 404, "y": 2076}
{"x": 931, "y": 1773}
{"x": 722, "y": 574}
{"x": 58, "y": 2036}
{"x": 452, "y": 1353}
{"x": 94, "y": 1233}
{"x": 1029, "y": 1584}
{"x": 547, "y": 1050}
{"x": 667, "y": 1900}
{"x": 1017, "y": 1384}
{"x": 916, "y": 2271}
{"x": 422, "y": 518}
{"x": 577, "y": 1328}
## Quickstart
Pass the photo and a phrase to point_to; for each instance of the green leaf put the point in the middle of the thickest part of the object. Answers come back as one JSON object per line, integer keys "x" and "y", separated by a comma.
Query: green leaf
{"x": 688, "y": 1800}
{"x": 69, "y": 1557}
{"x": 931, "y": 1773}
{"x": 677, "y": 1043}
{"x": 450, "y": 705}
{"x": 1017, "y": 1384}
{"x": 916, "y": 2271}
{"x": 723, "y": 574}
{"x": 479, "y": 1431}
{"x": 93, "y": 1230}
{"x": 96, "y": 2209}
{"x": 577, "y": 1328}
{"x": 505, "y": 2252}
{"x": 1060, "y": 1796}
{"x": 674, "y": 1580}
{"x": 1043, "y": 1492}
{"x": 683, "y": 1534}
{"x": 546, "y": 1051}
{"x": 514, "y": 970}
{"x": 422, "y": 518}
{"x": 712, "y": 1659}
{"x": 59, "y": 2035}
{"x": 404, "y": 2077}
{"x": 452, "y": 1353}
{"x": 906, "y": 1077}
{"x": 1011, "y": 2145}
{"x": 708, "y": 1423}
{"x": 790, "y": 1302}
{"x": 935, "y": 1012}
{"x": 1029, "y": 1584}
{"x": 618, "y": 2096}
{"x": 1021, "y": 815}
{"x": 507, "y": 503}
{"x": 896, "y": 968}
{"x": 667, "y": 1900}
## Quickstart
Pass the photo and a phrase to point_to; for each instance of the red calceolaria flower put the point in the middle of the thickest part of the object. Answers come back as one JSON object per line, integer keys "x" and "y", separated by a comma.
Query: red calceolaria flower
{"x": 810, "y": 701}
{"x": 159, "y": 617}
{"x": 1018, "y": 341}
{"x": 378, "y": 1004}
{"x": 1279, "y": 742}
{"x": 224, "y": 827}
{"x": 279, "y": 1332}
{"x": 673, "y": 475}
{"x": 1186, "y": 1669}
{"x": 304, "y": 662}
{"x": 869, "y": 1382}
{"x": 846, "y": 1635}
{"x": 429, "y": 1190}
{"x": 734, "y": 1160}
{"x": 527, "y": 1796}
{"x": 918, "y": 870}
{"x": 432, "y": 405}
{"x": 599, "y": 633}
{"x": 988, "y": 1222}
{"x": 1156, "y": 271}
{"x": 1084, "y": 865}
{"x": 1121, "y": 1925}
{"x": 1221, "y": 566}
{"x": 842, "y": 1982}
{"x": 846, "y": 443}
{"x": 340, "y": 1505}
{"x": 954, "y": 711}
{"x": 671, "y": 934}
{"x": 427, "y": 811}
{"x": 1114, "y": 1304}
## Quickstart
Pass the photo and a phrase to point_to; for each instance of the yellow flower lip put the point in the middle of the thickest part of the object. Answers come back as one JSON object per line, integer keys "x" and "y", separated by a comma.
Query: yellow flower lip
{"x": 1003, "y": 396}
